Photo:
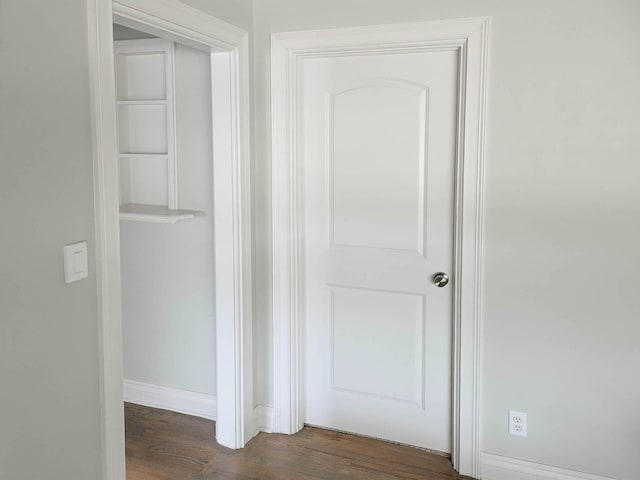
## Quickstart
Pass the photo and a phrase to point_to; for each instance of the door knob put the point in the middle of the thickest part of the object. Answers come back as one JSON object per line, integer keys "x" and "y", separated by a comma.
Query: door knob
{"x": 441, "y": 279}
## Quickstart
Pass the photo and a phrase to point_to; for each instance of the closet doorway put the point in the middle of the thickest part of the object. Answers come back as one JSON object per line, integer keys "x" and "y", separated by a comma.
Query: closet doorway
{"x": 166, "y": 223}
{"x": 172, "y": 182}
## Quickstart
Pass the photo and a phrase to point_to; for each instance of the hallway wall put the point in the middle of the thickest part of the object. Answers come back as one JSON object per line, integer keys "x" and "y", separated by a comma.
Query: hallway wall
{"x": 49, "y": 390}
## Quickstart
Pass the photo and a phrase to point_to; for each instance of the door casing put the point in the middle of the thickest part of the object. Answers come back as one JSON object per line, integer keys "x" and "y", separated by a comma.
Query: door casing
{"x": 470, "y": 38}
{"x": 228, "y": 47}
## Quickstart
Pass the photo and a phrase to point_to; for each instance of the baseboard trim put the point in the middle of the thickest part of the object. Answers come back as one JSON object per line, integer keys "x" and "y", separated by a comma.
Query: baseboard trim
{"x": 497, "y": 467}
{"x": 168, "y": 398}
{"x": 265, "y": 418}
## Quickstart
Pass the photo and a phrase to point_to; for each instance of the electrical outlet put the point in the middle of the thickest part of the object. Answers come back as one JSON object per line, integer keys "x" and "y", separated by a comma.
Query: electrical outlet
{"x": 517, "y": 423}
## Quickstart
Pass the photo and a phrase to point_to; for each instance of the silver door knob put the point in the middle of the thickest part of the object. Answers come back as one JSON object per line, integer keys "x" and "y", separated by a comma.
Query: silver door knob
{"x": 441, "y": 279}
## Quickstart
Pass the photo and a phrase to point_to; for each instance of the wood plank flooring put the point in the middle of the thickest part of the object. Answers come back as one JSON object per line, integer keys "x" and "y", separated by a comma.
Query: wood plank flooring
{"x": 162, "y": 445}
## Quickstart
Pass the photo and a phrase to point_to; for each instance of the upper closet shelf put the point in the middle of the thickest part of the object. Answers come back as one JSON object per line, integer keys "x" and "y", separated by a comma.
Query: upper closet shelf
{"x": 155, "y": 213}
{"x": 143, "y": 155}
{"x": 142, "y": 102}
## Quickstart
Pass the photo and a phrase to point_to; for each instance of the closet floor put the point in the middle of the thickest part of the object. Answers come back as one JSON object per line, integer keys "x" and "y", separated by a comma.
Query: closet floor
{"x": 163, "y": 445}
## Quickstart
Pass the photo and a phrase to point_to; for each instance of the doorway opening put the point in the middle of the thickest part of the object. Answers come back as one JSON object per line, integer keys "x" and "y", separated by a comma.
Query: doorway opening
{"x": 166, "y": 223}
{"x": 154, "y": 195}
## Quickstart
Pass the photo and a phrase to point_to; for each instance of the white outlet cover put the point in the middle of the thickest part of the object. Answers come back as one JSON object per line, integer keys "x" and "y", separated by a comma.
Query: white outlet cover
{"x": 517, "y": 423}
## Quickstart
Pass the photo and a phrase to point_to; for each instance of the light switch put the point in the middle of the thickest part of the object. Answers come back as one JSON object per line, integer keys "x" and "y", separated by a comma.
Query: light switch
{"x": 75, "y": 262}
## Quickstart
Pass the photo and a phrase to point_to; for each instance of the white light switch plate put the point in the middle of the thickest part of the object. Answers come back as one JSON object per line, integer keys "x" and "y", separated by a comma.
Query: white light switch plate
{"x": 75, "y": 262}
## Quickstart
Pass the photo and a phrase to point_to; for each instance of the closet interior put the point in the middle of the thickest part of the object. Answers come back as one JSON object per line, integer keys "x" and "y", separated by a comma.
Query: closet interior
{"x": 166, "y": 229}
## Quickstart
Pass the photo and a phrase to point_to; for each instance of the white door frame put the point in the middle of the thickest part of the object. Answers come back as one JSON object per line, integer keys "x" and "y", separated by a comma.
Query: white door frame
{"x": 228, "y": 46}
{"x": 288, "y": 50}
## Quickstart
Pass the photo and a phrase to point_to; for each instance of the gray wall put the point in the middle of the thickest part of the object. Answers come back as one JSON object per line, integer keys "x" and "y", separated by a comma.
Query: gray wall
{"x": 168, "y": 270}
{"x": 562, "y": 263}
{"x": 120, "y": 32}
{"x": 49, "y": 398}
{"x": 237, "y": 12}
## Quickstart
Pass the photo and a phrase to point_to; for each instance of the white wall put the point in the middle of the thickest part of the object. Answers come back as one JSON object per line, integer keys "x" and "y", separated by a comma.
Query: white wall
{"x": 49, "y": 392}
{"x": 562, "y": 263}
{"x": 168, "y": 270}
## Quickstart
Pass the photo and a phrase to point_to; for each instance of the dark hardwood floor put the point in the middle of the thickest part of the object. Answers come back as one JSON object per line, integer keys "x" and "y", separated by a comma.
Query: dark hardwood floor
{"x": 164, "y": 445}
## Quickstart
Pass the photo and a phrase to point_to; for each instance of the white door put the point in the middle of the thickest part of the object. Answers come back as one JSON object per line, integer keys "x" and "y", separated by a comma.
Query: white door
{"x": 378, "y": 148}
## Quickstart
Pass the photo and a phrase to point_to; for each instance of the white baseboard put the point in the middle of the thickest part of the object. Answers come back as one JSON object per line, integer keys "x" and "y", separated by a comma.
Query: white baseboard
{"x": 265, "y": 418}
{"x": 174, "y": 399}
{"x": 497, "y": 467}
{"x": 187, "y": 402}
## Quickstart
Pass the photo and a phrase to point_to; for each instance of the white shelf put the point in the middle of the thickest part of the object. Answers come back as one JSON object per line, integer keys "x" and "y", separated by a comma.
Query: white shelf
{"x": 155, "y": 213}
{"x": 143, "y": 155}
{"x": 145, "y": 83}
{"x": 142, "y": 102}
